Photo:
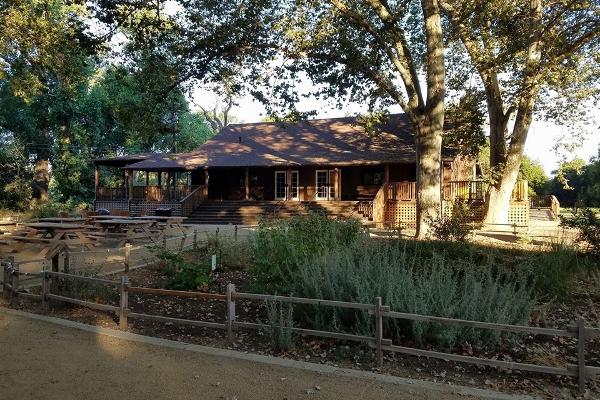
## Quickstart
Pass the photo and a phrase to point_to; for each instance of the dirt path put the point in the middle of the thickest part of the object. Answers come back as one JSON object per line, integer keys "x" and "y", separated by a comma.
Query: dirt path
{"x": 40, "y": 360}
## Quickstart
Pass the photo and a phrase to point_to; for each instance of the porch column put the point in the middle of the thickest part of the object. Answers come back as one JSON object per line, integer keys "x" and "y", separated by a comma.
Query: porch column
{"x": 336, "y": 184}
{"x": 247, "y": 182}
{"x": 386, "y": 181}
{"x": 129, "y": 176}
{"x": 288, "y": 183}
{"x": 206, "y": 179}
{"x": 96, "y": 179}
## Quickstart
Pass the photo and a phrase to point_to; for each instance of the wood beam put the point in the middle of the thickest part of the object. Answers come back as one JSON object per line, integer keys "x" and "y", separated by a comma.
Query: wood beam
{"x": 288, "y": 183}
{"x": 247, "y": 182}
{"x": 96, "y": 178}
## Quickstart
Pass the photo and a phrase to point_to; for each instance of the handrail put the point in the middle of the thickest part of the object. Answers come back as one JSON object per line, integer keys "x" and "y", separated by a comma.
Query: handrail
{"x": 379, "y": 204}
{"x": 187, "y": 204}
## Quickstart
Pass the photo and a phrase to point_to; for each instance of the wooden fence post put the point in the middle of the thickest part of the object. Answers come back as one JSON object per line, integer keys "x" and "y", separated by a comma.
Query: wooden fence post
{"x": 127, "y": 251}
{"x": 124, "y": 303}
{"x": 7, "y": 279}
{"x": 44, "y": 293}
{"x": 378, "y": 331}
{"x": 164, "y": 243}
{"x": 230, "y": 311}
{"x": 14, "y": 282}
{"x": 195, "y": 239}
{"x": 183, "y": 239}
{"x": 581, "y": 353}
{"x": 235, "y": 233}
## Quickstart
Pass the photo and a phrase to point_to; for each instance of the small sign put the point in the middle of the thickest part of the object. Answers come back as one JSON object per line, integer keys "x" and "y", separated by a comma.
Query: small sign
{"x": 213, "y": 265}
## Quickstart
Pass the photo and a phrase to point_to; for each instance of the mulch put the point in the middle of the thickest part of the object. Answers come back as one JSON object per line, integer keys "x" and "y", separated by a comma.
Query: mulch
{"x": 532, "y": 349}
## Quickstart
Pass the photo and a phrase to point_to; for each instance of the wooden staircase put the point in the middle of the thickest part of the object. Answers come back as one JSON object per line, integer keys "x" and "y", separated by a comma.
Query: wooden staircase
{"x": 249, "y": 212}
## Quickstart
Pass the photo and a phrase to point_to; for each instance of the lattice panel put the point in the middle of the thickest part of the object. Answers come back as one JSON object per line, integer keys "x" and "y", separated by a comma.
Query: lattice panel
{"x": 477, "y": 210}
{"x": 518, "y": 213}
{"x": 139, "y": 208}
{"x": 112, "y": 205}
{"x": 401, "y": 213}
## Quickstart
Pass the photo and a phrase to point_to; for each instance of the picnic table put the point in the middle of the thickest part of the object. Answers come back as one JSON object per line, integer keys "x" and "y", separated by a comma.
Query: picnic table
{"x": 53, "y": 236}
{"x": 62, "y": 220}
{"x": 127, "y": 230}
{"x": 6, "y": 224}
{"x": 168, "y": 225}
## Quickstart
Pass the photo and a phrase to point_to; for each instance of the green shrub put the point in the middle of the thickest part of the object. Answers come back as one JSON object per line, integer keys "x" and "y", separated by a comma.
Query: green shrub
{"x": 280, "y": 319}
{"x": 588, "y": 224}
{"x": 455, "y": 226}
{"x": 282, "y": 247}
{"x": 231, "y": 253}
{"x": 410, "y": 282}
{"x": 181, "y": 273}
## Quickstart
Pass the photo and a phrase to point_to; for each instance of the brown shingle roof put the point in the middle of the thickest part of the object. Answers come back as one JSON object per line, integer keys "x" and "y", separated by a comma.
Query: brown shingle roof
{"x": 334, "y": 141}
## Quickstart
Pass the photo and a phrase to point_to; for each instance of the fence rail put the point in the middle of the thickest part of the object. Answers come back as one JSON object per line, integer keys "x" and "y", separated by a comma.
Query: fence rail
{"x": 379, "y": 311}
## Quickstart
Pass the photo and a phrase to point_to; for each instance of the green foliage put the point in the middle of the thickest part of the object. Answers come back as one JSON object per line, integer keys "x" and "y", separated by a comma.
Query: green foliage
{"x": 286, "y": 245}
{"x": 411, "y": 280}
{"x": 533, "y": 172}
{"x": 280, "y": 319}
{"x": 181, "y": 273}
{"x": 453, "y": 227}
{"x": 588, "y": 224}
{"x": 464, "y": 124}
{"x": 231, "y": 253}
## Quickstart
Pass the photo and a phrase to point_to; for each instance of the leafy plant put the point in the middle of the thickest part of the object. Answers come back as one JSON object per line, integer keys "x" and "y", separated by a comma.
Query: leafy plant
{"x": 455, "y": 225}
{"x": 280, "y": 319}
{"x": 588, "y": 224}
{"x": 183, "y": 274}
{"x": 234, "y": 254}
{"x": 282, "y": 247}
{"x": 410, "y": 281}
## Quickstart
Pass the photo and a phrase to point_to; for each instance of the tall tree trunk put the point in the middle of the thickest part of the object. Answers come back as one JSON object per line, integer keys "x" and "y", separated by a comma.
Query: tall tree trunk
{"x": 41, "y": 179}
{"x": 431, "y": 124}
{"x": 498, "y": 203}
{"x": 429, "y": 204}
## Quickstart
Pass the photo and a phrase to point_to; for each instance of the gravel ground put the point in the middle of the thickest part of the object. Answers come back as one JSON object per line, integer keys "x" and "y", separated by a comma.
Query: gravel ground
{"x": 39, "y": 360}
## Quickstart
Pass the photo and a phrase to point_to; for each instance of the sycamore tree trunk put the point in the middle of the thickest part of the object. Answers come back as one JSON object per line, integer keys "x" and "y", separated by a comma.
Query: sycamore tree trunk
{"x": 429, "y": 204}
{"x": 41, "y": 179}
{"x": 430, "y": 124}
{"x": 499, "y": 194}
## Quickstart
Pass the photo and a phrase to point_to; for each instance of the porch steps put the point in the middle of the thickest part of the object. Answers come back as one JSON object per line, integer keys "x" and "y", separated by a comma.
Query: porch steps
{"x": 251, "y": 212}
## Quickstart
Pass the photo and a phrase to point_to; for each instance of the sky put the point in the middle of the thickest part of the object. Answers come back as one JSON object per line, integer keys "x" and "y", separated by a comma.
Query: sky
{"x": 540, "y": 142}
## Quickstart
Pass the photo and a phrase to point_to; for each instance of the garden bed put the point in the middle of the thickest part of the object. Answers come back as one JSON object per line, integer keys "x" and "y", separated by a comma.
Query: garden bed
{"x": 538, "y": 350}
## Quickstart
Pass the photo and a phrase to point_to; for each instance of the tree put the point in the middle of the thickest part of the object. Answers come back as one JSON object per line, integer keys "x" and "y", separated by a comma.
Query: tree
{"x": 44, "y": 49}
{"x": 219, "y": 115}
{"x": 533, "y": 172}
{"x": 568, "y": 182}
{"x": 528, "y": 54}
{"x": 382, "y": 53}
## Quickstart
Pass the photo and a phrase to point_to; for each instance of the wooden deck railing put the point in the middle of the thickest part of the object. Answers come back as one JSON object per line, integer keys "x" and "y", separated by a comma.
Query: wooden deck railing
{"x": 189, "y": 202}
{"x": 377, "y": 309}
{"x": 403, "y": 191}
{"x": 160, "y": 193}
{"x": 111, "y": 194}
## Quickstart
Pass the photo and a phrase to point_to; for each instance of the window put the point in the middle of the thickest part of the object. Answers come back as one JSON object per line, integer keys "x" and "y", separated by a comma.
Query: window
{"x": 373, "y": 178}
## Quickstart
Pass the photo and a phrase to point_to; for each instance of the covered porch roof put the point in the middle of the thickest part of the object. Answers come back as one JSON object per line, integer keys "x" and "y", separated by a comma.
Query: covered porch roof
{"x": 334, "y": 141}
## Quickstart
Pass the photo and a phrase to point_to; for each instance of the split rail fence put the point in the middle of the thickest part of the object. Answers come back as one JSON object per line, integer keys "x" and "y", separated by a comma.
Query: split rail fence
{"x": 379, "y": 311}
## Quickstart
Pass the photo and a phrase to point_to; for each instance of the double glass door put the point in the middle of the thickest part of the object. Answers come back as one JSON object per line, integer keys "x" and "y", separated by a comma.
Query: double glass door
{"x": 325, "y": 184}
{"x": 282, "y": 189}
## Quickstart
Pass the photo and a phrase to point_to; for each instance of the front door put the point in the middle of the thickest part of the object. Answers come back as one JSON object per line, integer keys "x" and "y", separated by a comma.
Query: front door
{"x": 324, "y": 182}
{"x": 281, "y": 185}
